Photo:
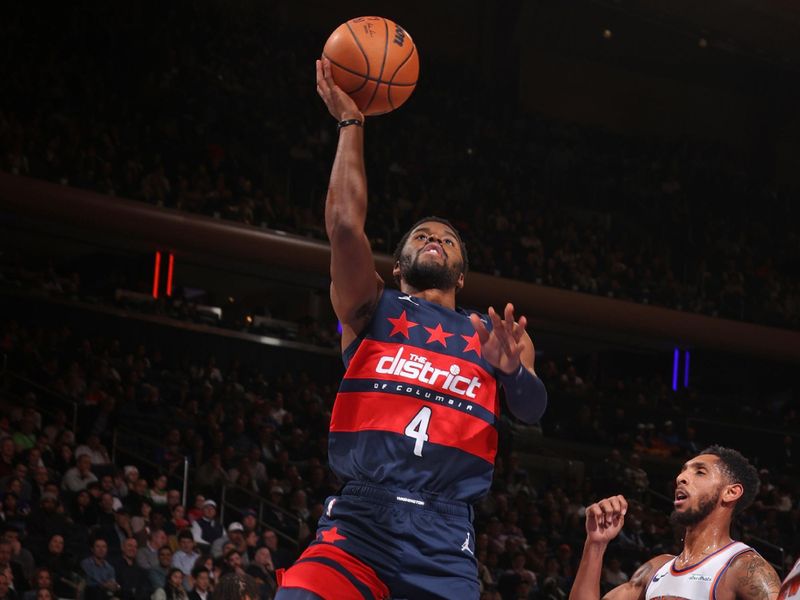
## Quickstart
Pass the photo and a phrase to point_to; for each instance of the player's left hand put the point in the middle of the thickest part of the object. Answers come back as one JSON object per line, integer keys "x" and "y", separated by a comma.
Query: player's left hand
{"x": 503, "y": 345}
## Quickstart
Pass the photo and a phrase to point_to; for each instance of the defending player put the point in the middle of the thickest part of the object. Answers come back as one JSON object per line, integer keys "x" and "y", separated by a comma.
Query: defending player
{"x": 711, "y": 488}
{"x": 413, "y": 431}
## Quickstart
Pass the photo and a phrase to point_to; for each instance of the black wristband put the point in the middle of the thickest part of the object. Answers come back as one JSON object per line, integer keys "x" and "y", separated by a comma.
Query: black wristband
{"x": 348, "y": 122}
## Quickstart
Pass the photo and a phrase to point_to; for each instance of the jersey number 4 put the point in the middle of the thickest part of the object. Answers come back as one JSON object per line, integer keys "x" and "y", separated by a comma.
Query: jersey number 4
{"x": 417, "y": 429}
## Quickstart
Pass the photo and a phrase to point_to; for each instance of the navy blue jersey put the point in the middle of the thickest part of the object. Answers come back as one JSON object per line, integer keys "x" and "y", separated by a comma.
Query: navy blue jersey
{"x": 418, "y": 405}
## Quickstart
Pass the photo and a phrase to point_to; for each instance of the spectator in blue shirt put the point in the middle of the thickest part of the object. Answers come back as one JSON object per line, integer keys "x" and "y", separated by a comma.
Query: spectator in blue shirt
{"x": 100, "y": 576}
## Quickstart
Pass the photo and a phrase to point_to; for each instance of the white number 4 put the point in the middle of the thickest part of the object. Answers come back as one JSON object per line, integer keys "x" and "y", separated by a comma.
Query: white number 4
{"x": 418, "y": 429}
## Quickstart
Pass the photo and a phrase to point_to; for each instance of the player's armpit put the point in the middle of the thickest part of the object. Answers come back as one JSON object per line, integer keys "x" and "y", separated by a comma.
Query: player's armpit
{"x": 753, "y": 578}
{"x": 636, "y": 587}
{"x": 354, "y": 308}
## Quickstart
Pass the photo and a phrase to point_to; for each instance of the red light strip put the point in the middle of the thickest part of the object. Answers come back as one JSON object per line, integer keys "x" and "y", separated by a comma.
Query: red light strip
{"x": 156, "y": 273}
{"x": 169, "y": 273}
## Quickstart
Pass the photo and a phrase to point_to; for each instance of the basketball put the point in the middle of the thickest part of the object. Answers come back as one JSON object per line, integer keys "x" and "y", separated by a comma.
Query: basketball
{"x": 375, "y": 61}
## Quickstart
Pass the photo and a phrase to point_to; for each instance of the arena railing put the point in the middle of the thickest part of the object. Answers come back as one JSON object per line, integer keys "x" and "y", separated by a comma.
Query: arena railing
{"x": 48, "y": 396}
{"x": 137, "y": 446}
{"x": 262, "y": 502}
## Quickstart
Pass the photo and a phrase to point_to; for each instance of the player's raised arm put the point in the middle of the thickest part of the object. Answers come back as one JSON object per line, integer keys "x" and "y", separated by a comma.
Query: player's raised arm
{"x": 604, "y": 521}
{"x": 354, "y": 284}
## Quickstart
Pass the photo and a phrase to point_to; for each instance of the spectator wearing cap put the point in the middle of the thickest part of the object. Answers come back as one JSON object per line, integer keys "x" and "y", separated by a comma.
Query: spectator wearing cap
{"x": 147, "y": 555}
{"x": 235, "y": 536}
{"x": 79, "y": 476}
{"x": 186, "y": 556}
{"x": 207, "y": 529}
{"x": 130, "y": 475}
{"x": 133, "y": 580}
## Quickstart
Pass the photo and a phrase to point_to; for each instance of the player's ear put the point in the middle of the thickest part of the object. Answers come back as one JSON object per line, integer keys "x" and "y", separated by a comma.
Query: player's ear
{"x": 460, "y": 282}
{"x": 396, "y": 270}
{"x": 732, "y": 492}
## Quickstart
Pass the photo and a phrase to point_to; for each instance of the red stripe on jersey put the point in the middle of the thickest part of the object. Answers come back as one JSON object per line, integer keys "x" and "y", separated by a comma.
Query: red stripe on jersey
{"x": 323, "y": 579}
{"x": 320, "y": 579}
{"x": 438, "y": 372}
{"x": 364, "y": 411}
{"x": 363, "y": 572}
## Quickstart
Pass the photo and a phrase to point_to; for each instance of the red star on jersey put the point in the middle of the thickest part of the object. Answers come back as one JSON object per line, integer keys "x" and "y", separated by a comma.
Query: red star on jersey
{"x": 473, "y": 343}
{"x": 331, "y": 536}
{"x": 438, "y": 335}
{"x": 401, "y": 325}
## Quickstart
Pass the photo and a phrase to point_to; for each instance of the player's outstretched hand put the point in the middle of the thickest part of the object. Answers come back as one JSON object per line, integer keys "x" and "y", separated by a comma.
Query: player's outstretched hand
{"x": 604, "y": 519}
{"x": 503, "y": 345}
{"x": 339, "y": 104}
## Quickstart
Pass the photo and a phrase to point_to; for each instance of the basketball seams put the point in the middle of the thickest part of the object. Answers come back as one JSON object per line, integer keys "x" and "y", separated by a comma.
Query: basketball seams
{"x": 348, "y": 67}
{"x": 396, "y": 71}
{"x": 383, "y": 64}
{"x": 343, "y": 68}
{"x": 354, "y": 72}
{"x": 360, "y": 47}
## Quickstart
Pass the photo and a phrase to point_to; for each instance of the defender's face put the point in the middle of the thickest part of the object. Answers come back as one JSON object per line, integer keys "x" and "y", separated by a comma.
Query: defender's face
{"x": 699, "y": 483}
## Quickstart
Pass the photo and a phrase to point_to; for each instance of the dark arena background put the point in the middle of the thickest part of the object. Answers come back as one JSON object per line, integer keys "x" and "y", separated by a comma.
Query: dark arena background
{"x": 626, "y": 172}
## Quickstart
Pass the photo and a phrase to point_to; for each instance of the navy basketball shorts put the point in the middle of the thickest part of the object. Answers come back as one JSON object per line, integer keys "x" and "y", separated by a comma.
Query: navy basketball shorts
{"x": 376, "y": 543}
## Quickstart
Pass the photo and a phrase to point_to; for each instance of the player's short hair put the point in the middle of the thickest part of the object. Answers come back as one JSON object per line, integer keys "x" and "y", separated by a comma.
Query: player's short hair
{"x": 236, "y": 587}
{"x": 399, "y": 249}
{"x": 738, "y": 470}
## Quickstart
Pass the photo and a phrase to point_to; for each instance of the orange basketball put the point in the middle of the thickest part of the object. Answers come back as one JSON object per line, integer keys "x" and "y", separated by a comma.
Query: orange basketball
{"x": 375, "y": 61}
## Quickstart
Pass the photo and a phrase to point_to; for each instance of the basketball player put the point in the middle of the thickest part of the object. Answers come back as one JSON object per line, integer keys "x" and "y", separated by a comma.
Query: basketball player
{"x": 790, "y": 589}
{"x": 711, "y": 488}
{"x": 413, "y": 432}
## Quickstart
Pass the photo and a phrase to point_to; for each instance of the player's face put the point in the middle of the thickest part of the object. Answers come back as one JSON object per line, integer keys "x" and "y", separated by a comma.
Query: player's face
{"x": 698, "y": 489}
{"x": 431, "y": 258}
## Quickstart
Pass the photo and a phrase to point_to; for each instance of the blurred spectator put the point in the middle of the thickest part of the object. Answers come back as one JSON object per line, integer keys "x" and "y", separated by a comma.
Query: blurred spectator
{"x": 133, "y": 580}
{"x": 100, "y": 575}
{"x": 207, "y": 529}
{"x": 186, "y": 556}
{"x": 79, "y": 476}
{"x": 173, "y": 587}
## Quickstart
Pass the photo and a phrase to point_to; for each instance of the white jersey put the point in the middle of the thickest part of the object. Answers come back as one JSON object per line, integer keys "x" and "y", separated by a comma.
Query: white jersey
{"x": 790, "y": 590}
{"x": 695, "y": 582}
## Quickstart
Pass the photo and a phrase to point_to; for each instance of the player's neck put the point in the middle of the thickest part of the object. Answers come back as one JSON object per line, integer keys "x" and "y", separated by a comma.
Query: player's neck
{"x": 446, "y": 298}
{"x": 703, "y": 539}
